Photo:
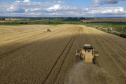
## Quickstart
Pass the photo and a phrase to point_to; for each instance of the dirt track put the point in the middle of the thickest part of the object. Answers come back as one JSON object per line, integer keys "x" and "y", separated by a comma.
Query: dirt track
{"x": 28, "y": 55}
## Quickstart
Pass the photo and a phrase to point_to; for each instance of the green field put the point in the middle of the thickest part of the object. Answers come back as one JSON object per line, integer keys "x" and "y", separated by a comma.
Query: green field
{"x": 116, "y": 25}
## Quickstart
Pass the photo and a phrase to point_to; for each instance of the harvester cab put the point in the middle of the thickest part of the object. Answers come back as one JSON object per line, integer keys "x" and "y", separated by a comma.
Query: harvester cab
{"x": 87, "y": 53}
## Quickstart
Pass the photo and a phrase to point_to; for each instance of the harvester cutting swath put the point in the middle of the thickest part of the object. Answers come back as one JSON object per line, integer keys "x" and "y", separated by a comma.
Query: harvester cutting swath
{"x": 87, "y": 53}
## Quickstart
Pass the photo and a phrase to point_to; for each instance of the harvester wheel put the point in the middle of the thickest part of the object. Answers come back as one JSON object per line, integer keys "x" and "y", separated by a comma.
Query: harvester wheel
{"x": 93, "y": 61}
{"x": 81, "y": 57}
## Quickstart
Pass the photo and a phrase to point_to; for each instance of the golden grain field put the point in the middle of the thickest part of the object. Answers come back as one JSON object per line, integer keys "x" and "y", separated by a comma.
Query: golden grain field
{"x": 29, "y": 55}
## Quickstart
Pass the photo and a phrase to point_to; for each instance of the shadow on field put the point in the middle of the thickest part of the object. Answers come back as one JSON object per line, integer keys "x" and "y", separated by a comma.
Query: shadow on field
{"x": 88, "y": 73}
{"x": 41, "y": 55}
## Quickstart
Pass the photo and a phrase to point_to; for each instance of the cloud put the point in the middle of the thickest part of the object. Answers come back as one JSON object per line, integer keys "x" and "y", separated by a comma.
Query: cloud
{"x": 98, "y": 3}
{"x": 15, "y": 9}
{"x": 110, "y": 1}
{"x": 27, "y": 5}
{"x": 55, "y": 8}
{"x": 26, "y": 0}
{"x": 114, "y": 11}
{"x": 38, "y": 8}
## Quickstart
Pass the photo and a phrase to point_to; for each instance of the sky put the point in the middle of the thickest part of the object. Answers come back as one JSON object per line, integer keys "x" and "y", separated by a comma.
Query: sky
{"x": 63, "y": 8}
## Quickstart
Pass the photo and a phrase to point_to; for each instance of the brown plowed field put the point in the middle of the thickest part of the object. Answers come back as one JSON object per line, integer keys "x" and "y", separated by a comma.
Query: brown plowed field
{"x": 29, "y": 55}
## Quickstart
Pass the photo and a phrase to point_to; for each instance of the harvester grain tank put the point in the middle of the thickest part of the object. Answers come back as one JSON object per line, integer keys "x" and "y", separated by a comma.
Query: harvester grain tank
{"x": 87, "y": 53}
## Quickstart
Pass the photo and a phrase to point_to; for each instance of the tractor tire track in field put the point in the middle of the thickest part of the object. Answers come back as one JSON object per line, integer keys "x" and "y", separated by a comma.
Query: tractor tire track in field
{"x": 109, "y": 41}
{"x": 14, "y": 50}
{"x": 115, "y": 54}
{"x": 71, "y": 41}
{"x": 65, "y": 58}
{"x": 120, "y": 60}
{"x": 22, "y": 38}
{"x": 117, "y": 61}
{"x": 26, "y": 45}
{"x": 112, "y": 53}
{"x": 49, "y": 58}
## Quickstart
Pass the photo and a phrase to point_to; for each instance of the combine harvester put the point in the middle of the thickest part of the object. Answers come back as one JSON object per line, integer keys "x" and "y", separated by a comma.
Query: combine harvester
{"x": 48, "y": 30}
{"x": 87, "y": 53}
